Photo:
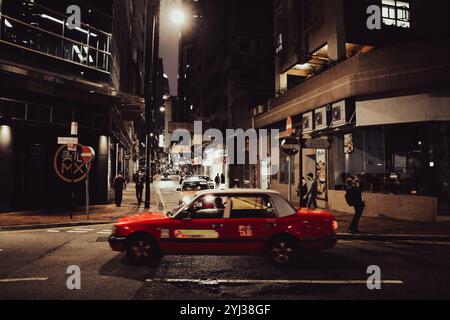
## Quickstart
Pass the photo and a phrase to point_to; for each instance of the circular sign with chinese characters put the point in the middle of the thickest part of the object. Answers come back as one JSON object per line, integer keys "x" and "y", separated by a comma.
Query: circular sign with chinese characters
{"x": 69, "y": 165}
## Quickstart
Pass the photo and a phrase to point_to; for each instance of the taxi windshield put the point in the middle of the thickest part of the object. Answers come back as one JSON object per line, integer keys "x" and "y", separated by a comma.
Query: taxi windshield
{"x": 194, "y": 186}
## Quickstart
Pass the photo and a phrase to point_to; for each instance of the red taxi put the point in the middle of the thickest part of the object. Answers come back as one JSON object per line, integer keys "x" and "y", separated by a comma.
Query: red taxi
{"x": 227, "y": 222}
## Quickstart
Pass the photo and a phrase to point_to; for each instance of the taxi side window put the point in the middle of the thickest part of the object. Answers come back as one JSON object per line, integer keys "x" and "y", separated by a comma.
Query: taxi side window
{"x": 208, "y": 207}
{"x": 245, "y": 207}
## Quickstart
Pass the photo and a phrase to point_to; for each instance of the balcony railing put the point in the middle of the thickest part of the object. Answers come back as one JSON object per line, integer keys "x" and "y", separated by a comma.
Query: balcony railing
{"x": 44, "y": 31}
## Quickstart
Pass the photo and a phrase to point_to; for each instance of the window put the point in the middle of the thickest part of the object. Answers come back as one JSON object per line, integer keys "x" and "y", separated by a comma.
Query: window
{"x": 396, "y": 13}
{"x": 251, "y": 206}
{"x": 395, "y": 159}
{"x": 208, "y": 207}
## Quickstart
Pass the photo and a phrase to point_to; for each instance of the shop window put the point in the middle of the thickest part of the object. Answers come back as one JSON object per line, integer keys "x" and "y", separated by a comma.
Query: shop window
{"x": 409, "y": 163}
{"x": 393, "y": 159}
{"x": 358, "y": 153}
{"x": 12, "y": 109}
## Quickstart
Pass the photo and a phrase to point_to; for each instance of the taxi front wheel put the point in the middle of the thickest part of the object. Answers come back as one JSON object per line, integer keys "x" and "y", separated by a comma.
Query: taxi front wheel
{"x": 283, "y": 251}
{"x": 142, "y": 248}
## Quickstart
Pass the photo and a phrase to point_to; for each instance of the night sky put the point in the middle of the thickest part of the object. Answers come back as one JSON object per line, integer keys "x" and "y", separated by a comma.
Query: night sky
{"x": 169, "y": 36}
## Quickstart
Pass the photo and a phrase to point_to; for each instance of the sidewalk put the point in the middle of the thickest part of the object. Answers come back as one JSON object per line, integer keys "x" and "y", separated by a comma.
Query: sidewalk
{"x": 98, "y": 214}
{"x": 388, "y": 228}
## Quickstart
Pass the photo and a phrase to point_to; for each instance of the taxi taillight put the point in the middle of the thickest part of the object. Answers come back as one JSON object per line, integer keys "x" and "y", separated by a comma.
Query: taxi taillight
{"x": 334, "y": 224}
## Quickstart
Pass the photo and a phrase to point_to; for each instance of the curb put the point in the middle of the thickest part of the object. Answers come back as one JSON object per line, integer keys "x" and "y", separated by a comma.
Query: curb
{"x": 53, "y": 225}
{"x": 392, "y": 237}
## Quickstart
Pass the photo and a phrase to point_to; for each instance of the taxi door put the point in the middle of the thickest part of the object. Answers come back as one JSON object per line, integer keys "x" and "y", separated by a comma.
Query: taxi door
{"x": 200, "y": 229}
{"x": 251, "y": 221}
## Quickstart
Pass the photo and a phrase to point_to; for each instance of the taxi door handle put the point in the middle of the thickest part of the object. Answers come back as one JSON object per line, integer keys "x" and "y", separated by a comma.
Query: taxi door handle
{"x": 217, "y": 225}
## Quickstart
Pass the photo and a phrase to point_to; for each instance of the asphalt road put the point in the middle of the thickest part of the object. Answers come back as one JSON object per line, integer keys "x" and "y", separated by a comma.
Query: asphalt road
{"x": 33, "y": 265}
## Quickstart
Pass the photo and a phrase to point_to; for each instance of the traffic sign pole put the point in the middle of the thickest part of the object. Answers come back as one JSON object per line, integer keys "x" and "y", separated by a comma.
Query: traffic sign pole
{"x": 87, "y": 155}
{"x": 290, "y": 179}
{"x": 87, "y": 191}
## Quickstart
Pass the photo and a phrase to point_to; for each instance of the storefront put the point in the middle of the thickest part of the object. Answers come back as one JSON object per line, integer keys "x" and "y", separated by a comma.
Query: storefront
{"x": 402, "y": 165}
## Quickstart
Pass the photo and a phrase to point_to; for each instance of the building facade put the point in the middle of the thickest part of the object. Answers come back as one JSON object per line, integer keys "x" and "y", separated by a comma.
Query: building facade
{"x": 379, "y": 97}
{"x": 53, "y": 75}
{"x": 226, "y": 66}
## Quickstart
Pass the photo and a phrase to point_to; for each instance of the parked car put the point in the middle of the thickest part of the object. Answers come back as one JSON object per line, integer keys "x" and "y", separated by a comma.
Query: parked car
{"x": 227, "y": 222}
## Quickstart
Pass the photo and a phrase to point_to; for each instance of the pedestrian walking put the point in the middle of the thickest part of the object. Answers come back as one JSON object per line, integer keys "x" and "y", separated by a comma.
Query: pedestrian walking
{"x": 355, "y": 199}
{"x": 312, "y": 193}
{"x": 222, "y": 179}
{"x": 119, "y": 184}
{"x": 139, "y": 188}
{"x": 302, "y": 190}
{"x": 217, "y": 181}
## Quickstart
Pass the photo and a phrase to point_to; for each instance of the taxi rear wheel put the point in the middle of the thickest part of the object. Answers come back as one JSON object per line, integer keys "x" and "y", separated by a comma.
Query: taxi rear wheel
{"x": 283, "y": 251}
{"x": 142, "y": 248}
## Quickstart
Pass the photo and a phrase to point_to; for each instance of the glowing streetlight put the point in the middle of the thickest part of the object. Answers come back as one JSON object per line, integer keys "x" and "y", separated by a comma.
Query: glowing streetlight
{"x": 162, "y": 109}
{"x": 178, "y": 17}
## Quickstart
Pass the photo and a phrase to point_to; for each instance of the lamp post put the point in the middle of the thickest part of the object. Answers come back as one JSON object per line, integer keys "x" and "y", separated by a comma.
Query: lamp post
{"x": 151, "y": 77}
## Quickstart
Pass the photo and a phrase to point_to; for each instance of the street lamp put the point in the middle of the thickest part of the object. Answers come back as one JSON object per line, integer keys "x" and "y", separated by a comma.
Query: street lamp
{"x": 178, "y": 17}
{"x": 162, "y": 109}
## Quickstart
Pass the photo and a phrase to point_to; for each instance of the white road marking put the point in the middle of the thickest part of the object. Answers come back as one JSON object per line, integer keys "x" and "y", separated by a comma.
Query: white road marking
{"x": 22, "y": 279}
{"x": 287, "y": 282}
{"x": 77, "y": 231}
{"x": 83, "y": 229}
{"x": 104, "y": 232}
{"x": 53, "y": 231}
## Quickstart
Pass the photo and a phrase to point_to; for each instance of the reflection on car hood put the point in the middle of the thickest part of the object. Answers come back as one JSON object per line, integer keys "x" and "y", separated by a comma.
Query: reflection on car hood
{"x": 315, "y": 213}
{"x": 188, "y": 193}
{"x": 143, "y": 216}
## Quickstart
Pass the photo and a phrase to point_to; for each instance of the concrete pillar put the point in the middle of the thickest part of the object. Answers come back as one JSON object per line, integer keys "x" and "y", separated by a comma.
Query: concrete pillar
{"x": 336, "y": 38}
{"x": 6, "y": 167}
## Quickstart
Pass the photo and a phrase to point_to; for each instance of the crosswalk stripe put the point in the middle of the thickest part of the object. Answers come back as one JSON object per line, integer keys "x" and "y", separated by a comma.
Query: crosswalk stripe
{"x": 77, "y": 231}
{"x": 22, "y": 279}
{"x": 280, "y": 282}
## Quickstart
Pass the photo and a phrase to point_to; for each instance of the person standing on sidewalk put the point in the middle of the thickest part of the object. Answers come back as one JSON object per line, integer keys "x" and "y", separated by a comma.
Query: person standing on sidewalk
{"x": 312, "y": 193}
{"x": 119, "y": 184}
{"x": 222, "y": 179}
{"x": 139, "y": 187}
{"x": 302, "y": 190}
{"x": 354, "y": 198}
{"x": 217, "y": 181}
